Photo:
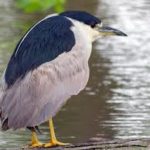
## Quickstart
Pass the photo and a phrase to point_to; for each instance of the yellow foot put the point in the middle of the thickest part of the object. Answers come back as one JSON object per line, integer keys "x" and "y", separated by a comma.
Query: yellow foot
{"x": 55, "y": 143}
{"x": 34, "y": 145}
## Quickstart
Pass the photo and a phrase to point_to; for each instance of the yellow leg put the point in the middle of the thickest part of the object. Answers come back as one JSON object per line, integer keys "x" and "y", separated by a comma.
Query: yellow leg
{"x": 34, "y": 141}
{"x": 54, "y": 141}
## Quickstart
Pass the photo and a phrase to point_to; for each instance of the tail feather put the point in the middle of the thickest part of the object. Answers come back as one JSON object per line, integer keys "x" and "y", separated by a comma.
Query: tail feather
{"x": 5, "y": 125}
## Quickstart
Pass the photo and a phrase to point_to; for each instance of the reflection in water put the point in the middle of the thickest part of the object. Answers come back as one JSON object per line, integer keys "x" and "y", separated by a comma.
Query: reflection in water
{"x": 130, "y": 66}
{"x": 115, "y": 103}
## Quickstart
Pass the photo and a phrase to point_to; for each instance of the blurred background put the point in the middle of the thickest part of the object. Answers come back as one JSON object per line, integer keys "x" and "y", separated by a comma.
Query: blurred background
{"x": 116, "y": 101}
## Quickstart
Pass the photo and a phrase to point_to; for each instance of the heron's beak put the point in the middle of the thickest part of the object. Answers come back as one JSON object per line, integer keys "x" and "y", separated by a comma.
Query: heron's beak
{"x": 108, "y": 31}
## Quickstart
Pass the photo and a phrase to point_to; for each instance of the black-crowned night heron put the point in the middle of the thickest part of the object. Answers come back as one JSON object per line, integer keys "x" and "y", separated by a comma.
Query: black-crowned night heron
{"x": 48, "y": 66}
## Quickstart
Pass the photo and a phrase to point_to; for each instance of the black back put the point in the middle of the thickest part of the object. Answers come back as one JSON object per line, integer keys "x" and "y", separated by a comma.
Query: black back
{"x": 43, "y": 43}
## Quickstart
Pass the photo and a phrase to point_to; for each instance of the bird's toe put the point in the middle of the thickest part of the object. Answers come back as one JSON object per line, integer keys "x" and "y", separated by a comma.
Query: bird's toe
{"x": 35, "y": 145}
{"x": 55, "y": 143}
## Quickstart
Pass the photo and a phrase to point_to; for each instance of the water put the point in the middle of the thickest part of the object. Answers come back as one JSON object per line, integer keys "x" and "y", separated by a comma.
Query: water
{"x": 129, "y": 67}
{"x": 115, "y": 103}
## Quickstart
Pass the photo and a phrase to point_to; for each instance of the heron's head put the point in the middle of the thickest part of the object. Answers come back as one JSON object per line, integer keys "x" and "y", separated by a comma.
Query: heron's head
{"x": 92, "y": 24}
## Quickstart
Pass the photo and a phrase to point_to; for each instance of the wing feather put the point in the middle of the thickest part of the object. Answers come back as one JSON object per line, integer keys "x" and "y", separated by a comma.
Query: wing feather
{"x": 43, "y": 91}
{"x": 42, "y": 43}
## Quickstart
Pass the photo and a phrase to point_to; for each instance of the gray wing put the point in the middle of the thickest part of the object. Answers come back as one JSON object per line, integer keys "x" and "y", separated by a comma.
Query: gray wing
{"x": 42, "y": 92}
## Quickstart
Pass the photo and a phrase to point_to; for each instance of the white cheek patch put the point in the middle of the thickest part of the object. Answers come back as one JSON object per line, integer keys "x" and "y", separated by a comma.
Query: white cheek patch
{"x": 91, "y": 33}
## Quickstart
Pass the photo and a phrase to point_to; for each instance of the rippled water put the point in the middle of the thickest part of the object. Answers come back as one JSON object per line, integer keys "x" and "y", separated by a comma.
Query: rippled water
{"x": 129, "y": 67}
{"x": 115, "y": 103}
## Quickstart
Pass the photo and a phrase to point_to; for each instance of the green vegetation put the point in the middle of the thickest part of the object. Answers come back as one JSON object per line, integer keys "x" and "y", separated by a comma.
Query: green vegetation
{"x": 32, "y": 6}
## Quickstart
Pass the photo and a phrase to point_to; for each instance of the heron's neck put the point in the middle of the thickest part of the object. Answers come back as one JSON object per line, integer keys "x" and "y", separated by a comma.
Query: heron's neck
{"x": 83, "y": 41}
